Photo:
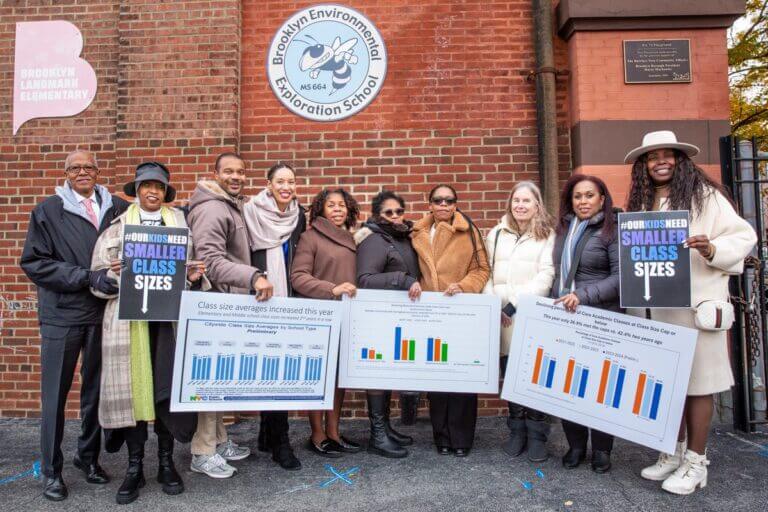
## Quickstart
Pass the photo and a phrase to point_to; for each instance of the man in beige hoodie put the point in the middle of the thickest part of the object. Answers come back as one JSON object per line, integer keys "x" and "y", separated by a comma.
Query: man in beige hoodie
{"x": 221, "y": 240}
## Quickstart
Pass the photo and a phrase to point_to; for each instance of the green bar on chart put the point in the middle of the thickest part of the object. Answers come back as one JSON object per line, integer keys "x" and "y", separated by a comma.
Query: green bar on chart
{"x": 378, "y": 356}
{"x": 444, "y": 355}
{"x": 412, "y": 351}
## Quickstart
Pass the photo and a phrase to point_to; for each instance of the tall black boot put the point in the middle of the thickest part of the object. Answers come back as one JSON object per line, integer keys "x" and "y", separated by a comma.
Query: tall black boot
{"x": 409, "y": 407}
{"x": 380, "y": 443}
{"x": 166, "y": 471}
{"x": 518, "y": 433}
{"x": 134, "y": 476}
{"x": 538, "y": 432}
{"x": 401, "y": 439}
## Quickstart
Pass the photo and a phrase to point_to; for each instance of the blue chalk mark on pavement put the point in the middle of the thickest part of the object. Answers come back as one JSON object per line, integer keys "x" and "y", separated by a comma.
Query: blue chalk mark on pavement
{"x": 540, "y": 473}
{"x": 526, "y": 485}
{"x": 34, "y": 472}
{"x": 339, "y": 476}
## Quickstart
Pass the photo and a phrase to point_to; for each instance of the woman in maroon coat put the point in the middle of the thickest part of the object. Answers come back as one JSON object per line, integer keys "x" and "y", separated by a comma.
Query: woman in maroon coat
{"x": 324, "y": 268}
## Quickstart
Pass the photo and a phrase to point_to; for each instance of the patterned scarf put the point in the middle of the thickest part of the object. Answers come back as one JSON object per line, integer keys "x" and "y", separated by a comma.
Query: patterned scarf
{"x": 575, "y": 232}
{"x": 142, "y": 388}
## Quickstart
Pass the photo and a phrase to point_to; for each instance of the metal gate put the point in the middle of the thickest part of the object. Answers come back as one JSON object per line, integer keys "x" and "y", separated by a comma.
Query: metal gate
{"x": 744, "y": 165}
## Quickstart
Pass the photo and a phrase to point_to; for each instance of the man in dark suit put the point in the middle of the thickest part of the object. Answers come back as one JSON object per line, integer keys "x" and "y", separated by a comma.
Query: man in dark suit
{"x": 62, "y": 232}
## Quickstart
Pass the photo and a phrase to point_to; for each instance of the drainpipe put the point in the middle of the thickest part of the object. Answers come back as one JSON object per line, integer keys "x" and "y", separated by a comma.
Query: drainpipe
{"x": 546, "y": 122}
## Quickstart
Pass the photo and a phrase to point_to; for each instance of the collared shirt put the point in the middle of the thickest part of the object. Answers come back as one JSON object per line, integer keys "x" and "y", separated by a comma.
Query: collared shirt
{"x": 94, "y": 198}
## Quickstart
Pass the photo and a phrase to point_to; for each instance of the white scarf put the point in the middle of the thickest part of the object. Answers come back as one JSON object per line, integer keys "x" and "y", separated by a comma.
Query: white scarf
{"x": 269, "y": 229}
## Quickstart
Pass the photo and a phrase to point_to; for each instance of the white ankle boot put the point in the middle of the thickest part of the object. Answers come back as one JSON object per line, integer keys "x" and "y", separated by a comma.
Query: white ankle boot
{"x": 691, "y": 473}
{"x": 666, "y": 464}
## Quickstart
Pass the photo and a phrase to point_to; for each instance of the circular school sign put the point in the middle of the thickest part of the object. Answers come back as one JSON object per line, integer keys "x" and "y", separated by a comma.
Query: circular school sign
{"x": 327, "y": 62}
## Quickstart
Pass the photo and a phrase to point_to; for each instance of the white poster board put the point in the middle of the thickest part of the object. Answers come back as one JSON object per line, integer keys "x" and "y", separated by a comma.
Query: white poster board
{"x": 621, "y": 374}
{"x": 236, "y": 354}
{"x": 437, "y": 343}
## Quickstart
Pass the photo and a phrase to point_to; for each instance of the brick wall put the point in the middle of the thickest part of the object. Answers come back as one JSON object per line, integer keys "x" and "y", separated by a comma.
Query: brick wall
{"x": 180, "y": 81}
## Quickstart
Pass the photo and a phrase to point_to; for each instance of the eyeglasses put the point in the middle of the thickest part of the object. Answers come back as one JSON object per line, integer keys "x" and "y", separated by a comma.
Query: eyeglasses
{"x": 77, "y": 169}
{"x": 391, "y": 213}
{"x": 443, "y": 200}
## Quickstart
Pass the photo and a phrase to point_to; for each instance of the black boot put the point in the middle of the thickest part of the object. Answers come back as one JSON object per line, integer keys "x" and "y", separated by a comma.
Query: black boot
{"x": 574, "y": 457}
{"x": 538, "y": 431}
{"x": 380, "y": 443}
{"x": 518, "y": 433}
{"x": 401, "y": 439}
{"x": 166, "y": 471}
{"x": 409, "y": 407}
{"x": 134, "y": 476}
{"x": 262, "y": 441}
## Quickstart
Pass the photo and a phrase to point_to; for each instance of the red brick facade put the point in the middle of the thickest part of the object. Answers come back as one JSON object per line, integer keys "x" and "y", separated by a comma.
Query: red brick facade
{"x": 180, "y": 81}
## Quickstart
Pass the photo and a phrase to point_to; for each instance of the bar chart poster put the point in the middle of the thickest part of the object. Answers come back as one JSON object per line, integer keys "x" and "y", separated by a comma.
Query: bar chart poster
{"x": 236, "y": 354}
{"x": 437, "y": 343}
{"x": 620, "y": 374}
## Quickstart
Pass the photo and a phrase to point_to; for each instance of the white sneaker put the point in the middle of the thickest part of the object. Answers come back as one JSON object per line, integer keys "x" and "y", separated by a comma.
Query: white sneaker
{"x": 691, "y": 473}
{"x": 212, "y": 465}
{"x": 232, "y": 451}
{"x": 666, "y": 464}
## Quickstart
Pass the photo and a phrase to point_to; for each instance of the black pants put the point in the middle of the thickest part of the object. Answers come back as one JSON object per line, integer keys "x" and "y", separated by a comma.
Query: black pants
{"x": 137, "y": 436}
{"x": 516, "y": 411}
{"x": 453, "y": 416}
{"x": 276, "y": 425}
{"x": 59, "y": 352}
{"x": 578, "y": 435}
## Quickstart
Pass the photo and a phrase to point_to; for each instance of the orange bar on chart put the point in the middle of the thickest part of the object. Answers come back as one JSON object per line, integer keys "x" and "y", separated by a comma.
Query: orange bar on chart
{"x": 404, "y": 350}
{"x": 436, "y": 354}
{"x": 537, "y": 365}
{"x": 569, "y": 376}
{"x": 603, "y": 382}
{"x": 639, "y": 394}
{"x": 371, "y": 354}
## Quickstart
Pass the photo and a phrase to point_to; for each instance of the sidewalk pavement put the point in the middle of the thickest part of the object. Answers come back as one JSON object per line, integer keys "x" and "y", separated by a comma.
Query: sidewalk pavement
{"x": 487, "y": 480}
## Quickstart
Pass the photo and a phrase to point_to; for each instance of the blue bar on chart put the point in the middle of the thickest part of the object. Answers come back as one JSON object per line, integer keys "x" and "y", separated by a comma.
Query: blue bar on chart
{"x": 611, "y": 384}
{"x": 201, "y": 367}
{"x": 270, "y": 366}
{"x": 576, "y": 377}
{"x": 225, "y": 367}
{"x": 647, "y": 397}
{"x": 313, "y": 368}
{"x": 247, "y": 367}
{"x": 291, "y": 368}
{"x": 398, "y": 337}
{"x": 544, "y": 369}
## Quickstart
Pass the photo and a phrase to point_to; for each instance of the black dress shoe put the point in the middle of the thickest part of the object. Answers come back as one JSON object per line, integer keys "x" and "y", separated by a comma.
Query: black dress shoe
{"x": 93, "y": 472}
{"x": 55, "y": 489}
{"x": 461, "y": 452}
{"x": 601, "y": 461}
{"x": 443, "y": 450}
{"x": 574, "y": 457}
{"x": 345, "y": 445}
{"x": 284, "y": 456}
{"x": 326, "y": 448}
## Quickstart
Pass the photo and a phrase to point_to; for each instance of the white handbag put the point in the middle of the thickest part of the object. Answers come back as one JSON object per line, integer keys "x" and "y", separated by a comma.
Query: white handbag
{"x": 714, "y": 315}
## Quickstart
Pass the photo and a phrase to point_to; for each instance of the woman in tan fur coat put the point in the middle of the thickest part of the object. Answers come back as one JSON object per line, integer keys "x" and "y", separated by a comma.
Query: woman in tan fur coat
{"x": 452, "y": 259}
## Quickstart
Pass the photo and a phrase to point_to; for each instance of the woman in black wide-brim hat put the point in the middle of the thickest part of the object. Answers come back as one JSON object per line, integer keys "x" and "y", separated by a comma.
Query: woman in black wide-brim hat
{"x": 137, "y": 356}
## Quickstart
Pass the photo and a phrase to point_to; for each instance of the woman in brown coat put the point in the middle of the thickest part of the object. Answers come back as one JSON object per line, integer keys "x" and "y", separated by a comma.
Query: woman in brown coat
{"x": 324, "y": 268}
{"x": 452, "y": 259}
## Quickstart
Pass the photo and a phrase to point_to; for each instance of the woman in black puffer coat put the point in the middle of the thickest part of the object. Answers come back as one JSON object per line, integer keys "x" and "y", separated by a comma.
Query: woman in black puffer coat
{"x": 586, "y": 259}
{"x": 386, "y": 261}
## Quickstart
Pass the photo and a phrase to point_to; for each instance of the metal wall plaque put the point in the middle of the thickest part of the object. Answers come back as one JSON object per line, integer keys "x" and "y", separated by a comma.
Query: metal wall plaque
{"x": 657, "y": 61}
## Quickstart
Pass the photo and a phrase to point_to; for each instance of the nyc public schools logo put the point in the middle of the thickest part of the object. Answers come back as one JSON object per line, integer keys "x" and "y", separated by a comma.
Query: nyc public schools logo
{"x": 327, "y": 62}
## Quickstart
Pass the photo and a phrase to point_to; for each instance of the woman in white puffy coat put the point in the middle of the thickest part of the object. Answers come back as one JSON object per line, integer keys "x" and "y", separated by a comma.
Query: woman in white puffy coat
{"x": 520, "y": 248}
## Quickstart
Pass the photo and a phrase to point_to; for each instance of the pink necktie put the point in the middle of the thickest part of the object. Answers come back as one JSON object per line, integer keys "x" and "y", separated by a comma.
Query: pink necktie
{"x": 88, "y": 203}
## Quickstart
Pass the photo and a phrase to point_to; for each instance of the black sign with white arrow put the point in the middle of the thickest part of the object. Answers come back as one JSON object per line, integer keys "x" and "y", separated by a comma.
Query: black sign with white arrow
{"x": 654, "y": 264}
{"x": 154, "y": 273}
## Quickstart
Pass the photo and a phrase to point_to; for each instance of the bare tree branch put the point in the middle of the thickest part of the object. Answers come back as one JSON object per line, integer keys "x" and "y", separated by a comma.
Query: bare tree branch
{"x": 750, "y": 118}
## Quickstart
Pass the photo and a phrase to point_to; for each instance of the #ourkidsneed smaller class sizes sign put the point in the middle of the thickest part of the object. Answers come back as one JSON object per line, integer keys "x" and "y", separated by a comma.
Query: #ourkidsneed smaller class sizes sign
{"x": 154, "y": 272}
{"x": 655, "y": 267}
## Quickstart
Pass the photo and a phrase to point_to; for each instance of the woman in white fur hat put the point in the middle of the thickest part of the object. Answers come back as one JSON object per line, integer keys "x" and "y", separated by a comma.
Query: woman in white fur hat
{"x": 665, "y": 178}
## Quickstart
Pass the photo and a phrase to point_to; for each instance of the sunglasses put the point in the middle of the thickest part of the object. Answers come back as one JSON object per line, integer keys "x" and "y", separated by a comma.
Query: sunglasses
{"x": 392, "y": 213}
{"x": 443, "y": 200}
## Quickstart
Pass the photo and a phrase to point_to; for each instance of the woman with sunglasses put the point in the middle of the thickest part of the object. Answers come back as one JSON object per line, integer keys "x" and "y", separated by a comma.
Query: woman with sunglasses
{"x": 452, "y": 260}
{"x": 386, "y": 261}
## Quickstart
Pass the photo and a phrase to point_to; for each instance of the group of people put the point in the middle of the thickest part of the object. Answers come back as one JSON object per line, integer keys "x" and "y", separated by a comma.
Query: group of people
{"x": 261, "y": 245}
